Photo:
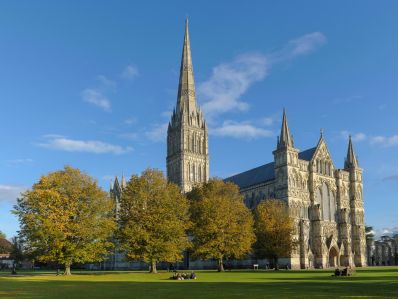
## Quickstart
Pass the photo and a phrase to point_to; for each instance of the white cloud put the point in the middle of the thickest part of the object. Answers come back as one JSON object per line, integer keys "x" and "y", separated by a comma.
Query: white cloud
{"x": 357, "y": 137}
{"x": 130, "y": 121}
{"x": 10, "y": 193}
{"x": 105, "y": 82}
{"x": 158, "y": 132}
{"x": 385, "y": 231}
{"x": 300, "y": 46}
{"x": 97, "y": 98}
{"x": 268, "y": 121}
{"x": 130, "y": 72}
{"x": 240, "y": 130}
{"x": 222, "y": 92}
{"x": 229, "y": 81}
{"x": 58, "y": 142}
{"x": 384, "y": 140}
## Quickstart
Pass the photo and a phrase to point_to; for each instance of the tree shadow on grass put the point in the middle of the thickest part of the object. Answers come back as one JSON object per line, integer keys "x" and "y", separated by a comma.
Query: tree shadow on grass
{"x": 192, "y": 289}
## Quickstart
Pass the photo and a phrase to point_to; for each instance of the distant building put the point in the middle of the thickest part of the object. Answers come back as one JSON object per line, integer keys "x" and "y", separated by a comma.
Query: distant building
{"x": 383, "y": 252}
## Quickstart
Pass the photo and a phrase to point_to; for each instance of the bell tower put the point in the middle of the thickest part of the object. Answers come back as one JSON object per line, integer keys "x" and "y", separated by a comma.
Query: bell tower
{"x": 187, "y": 138}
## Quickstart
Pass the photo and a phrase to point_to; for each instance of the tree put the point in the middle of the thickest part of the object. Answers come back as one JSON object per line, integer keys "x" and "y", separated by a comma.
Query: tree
{"x": 5, "y": 245}
{"x": 369, "y": 234}
{"x": 2, "y": 235}
{"x": 153, "y": 219}
{"x": 222, "y": 224}
{"x": 66, "y": 218}
{"x": 17, "y": 251}
{"x": 274, "y": 231}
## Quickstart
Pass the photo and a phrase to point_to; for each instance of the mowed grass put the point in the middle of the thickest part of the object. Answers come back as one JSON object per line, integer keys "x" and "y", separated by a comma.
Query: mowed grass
{"x": 375, "y": 282}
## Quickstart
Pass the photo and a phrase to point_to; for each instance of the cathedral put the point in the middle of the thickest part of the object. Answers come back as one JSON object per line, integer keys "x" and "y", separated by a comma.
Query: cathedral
{"x": 325, "y": 202}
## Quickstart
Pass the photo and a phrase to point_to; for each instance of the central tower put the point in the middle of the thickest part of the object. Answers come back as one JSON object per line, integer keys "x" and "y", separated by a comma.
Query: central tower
{"x": 187, "y": 140}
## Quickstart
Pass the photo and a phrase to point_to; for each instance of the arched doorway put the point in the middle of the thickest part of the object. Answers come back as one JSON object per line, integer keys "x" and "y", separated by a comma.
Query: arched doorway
{"x": 333, "y": 257}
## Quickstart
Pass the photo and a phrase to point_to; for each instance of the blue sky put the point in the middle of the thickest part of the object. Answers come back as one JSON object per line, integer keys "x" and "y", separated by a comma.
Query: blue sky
{"x": 91, "y": 84}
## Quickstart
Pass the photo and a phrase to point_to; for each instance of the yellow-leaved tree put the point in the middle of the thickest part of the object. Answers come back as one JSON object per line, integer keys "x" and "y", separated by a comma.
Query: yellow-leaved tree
{"x": 222, "y": 224}
{"x": 66, "y": 218}
{"x": 154, "y": 219}
{"x": 274, "y": 231}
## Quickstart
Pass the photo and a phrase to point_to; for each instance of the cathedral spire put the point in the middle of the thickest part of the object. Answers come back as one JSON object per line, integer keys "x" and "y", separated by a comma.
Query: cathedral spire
{"x": 351, "y": 159}
{"x": 186, "y": 100}
{"x": 285, "y": 139}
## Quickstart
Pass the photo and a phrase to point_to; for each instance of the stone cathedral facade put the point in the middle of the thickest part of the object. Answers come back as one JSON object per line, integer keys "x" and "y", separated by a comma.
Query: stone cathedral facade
{"x": 325, "y": 202}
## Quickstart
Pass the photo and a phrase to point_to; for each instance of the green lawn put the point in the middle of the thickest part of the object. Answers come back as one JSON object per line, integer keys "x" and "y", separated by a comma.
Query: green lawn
{"x": 373, "y": 282}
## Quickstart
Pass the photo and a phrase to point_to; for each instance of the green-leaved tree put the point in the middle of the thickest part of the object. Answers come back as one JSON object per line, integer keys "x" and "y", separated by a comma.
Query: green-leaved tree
{"x": 66, "y": 218}
{"x": 154, "y": 219}
{"x": 222, "y": 224}
{"x": 274, "y": 230}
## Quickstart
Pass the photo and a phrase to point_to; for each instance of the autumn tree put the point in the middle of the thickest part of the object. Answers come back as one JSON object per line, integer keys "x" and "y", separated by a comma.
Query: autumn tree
{"x": 5, "y": 245}
{"x": 66, "y": 218}
{"x": 153, "y": 219}
{"x": 222, "y": 224}
{"x": 274, "y": 230}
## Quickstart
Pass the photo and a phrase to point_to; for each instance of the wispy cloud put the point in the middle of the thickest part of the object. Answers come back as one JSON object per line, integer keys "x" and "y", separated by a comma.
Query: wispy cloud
{"x": 106, "y": 82}
{"x": 130, "y": 121}
{"x": 385, "y": 231}
{"x": 97, "y": 98}
{"x": 228, "y": 82}
{"x": 157, "y": 133}
{"x": 385, "y": 141}
{"x": 302, "y": 45}
{"x": 244, "y": 130}
{"x": 9, "y": 193}
{"x": 393, "y": 178}
{"x": 357, "y": 137}
{"x": 59, "y": 142}
{"x": 130, "y": 72}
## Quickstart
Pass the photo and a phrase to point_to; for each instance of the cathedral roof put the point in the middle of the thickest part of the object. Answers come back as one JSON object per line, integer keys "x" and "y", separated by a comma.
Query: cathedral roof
{"x": 261, "y": 174}
{"x": 307, "y": 154}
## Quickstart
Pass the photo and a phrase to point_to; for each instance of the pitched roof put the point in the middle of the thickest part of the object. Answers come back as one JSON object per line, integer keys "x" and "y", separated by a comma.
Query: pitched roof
{"x": 307, "y": 154}
{"x": 253, "y": 176}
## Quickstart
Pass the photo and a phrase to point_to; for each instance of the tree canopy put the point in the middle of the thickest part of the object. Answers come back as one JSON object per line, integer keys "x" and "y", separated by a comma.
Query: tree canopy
{"x": 154, "y": 219}
{"x": 66, "y": 218}
{"x": 222, "y": 224}
{"x": 5, "y": 245}
{"x": 274, "y": 231}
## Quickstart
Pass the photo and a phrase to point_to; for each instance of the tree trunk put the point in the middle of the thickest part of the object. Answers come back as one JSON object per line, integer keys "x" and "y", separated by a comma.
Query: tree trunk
{"x": 220, "y": 265}
{"x": 153, "y": 267}
{"x": 67, "y": 269}
{"x": 276, "y": 263}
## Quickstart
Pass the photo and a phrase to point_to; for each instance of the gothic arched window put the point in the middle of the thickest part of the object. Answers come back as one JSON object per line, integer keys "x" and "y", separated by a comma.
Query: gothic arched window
{"x": 325, "y": 202}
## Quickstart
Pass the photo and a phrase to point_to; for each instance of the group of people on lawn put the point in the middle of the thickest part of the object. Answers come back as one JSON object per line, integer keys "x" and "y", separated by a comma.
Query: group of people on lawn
{"x": 183, "y": 276}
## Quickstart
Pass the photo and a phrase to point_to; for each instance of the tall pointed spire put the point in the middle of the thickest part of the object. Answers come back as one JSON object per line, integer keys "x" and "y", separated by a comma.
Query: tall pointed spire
{"x": 351, "y": 159}
{"x": 186, "y": 99}
{"x": 285, "y": 139}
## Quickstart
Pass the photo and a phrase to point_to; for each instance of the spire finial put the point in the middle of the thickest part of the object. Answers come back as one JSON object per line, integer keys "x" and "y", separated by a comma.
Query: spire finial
{"x": 321, "y": 132}
{"x": 351, "y": 159}
{"x": 285, "y": 138}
